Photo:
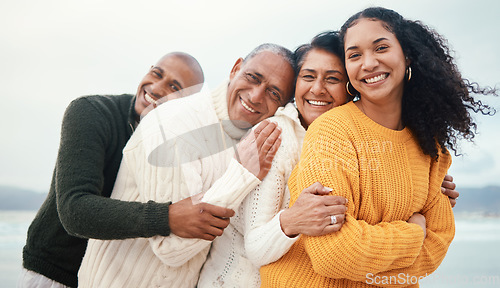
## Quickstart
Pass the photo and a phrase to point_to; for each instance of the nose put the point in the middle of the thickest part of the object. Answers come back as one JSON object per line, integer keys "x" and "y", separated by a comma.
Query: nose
{"x": 369, "y": 61}
{"x": 257, "y": 94}
{"x": 318, "y": 87}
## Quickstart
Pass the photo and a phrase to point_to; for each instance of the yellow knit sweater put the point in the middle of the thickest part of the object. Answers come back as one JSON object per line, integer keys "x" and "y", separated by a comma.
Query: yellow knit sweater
{"x": 386, "y": 178}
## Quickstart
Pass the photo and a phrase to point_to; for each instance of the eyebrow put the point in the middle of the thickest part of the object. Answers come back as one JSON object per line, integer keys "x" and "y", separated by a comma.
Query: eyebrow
{"x": 379, "y": 39}
{"x": 277, "y": 89}
{"x": 374, "y": 42}
{"x": 163, "y": 72}
{"x": 159, "y": 68}
{"x": 178, "y": 84}
{"x": 327, "y": 71}
{"x": 264, "y": 78}
{"x": 273, "y": 86}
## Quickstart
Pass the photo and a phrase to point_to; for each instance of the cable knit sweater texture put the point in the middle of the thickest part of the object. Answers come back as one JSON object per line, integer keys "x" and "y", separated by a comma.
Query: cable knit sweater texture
{"x": 94, "y": 131}
{"x": 254, "y": 236}
{"x": 386, "y": 178}
{"x": 171, "y": 156}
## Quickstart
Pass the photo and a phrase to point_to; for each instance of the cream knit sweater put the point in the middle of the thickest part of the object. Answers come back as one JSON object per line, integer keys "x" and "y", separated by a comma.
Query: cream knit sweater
{"x": 254, "y": 236}
{"x": 171, "y": 156}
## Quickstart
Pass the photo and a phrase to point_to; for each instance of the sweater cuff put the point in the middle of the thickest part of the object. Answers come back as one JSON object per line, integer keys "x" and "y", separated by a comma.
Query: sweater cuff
{"x": 157, "y": 222}
{"x": 277, "y": 222}
{"x": 281, "y": 237}
{"x": 270, "y": 245}
{"x": 230, "y": 190}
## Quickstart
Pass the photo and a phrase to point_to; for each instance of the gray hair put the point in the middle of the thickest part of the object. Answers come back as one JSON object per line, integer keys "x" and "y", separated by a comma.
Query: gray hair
{"x": 273, "y": 48}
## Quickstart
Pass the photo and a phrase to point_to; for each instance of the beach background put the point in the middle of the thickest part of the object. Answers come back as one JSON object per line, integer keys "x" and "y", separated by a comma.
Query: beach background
{"x": 472, "y": 259}
{"x": 54, "y": 51}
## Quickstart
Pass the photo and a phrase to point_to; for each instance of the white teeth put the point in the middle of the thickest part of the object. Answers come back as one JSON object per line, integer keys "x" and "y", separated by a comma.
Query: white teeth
{"x": 149, "y": 98}
{"x": 376, "y": 78}
{"x": 317, "y": 103}
{"x": 247, "y": 107}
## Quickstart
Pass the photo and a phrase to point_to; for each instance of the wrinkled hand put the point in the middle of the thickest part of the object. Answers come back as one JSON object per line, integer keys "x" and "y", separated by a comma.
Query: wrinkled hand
{"x": 256, "y": 151}
{"x": 419, "y": 219}
{"x": 201, "y": 220}
{"x": 310, "y": 214}
{"x": 448, "y": 189}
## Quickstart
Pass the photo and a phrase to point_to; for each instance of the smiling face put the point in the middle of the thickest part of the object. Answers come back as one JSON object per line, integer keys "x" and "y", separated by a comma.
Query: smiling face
{"x": 374, "y": 61}
{"x": 258, "y": 87}
{"x": 170, "y": 77}
{"x": 320, "y": 85}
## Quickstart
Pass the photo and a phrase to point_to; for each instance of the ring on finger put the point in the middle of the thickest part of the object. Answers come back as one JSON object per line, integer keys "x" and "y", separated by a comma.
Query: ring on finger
{"x": 333, "y": 220}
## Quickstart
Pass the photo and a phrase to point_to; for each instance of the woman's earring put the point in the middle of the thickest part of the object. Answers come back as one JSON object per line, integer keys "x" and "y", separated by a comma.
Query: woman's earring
{"x": 347, "y": 88}
{"x": 408, "y": 72}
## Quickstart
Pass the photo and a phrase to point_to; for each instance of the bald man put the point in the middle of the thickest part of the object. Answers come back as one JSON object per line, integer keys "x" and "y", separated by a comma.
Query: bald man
{"x": 94, "y": 131}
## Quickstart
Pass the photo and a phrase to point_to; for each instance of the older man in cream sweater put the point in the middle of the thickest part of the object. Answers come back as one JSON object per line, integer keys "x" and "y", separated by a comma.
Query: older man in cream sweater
{"x": 187, "y": 147}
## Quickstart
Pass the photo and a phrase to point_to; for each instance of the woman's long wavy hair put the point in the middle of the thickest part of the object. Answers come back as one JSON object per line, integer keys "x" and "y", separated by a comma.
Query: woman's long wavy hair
{"x": 436, "y": 100}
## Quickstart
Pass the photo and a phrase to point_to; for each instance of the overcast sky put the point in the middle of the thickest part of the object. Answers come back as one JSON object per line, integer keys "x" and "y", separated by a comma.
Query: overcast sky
{"x": 52, "y": 52}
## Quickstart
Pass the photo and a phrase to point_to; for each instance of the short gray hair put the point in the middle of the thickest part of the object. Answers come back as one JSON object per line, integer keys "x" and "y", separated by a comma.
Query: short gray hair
{"x": 273, "y": 48}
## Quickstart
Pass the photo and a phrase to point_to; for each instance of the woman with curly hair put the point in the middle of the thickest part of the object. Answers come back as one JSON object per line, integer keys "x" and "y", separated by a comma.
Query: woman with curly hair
{"x": 387, "y": 154}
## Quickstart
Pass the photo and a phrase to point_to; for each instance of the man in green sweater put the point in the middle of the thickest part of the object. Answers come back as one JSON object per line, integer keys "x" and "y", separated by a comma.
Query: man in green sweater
{"x": 94, "y": 131}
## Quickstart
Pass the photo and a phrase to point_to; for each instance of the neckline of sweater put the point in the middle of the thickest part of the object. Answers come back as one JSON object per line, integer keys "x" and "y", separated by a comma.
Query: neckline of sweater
{"x": 395, "y": 135}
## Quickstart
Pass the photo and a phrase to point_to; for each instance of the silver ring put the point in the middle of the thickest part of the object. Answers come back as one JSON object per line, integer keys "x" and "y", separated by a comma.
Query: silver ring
{"x": 333, "y": 219}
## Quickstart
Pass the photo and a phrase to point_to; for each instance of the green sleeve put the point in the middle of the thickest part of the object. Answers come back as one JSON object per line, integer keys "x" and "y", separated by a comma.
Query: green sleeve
{"x": 84, "y": 212}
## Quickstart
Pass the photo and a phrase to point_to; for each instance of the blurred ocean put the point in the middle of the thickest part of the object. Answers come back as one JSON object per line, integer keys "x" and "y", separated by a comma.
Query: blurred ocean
{"x": 472, "y": 260}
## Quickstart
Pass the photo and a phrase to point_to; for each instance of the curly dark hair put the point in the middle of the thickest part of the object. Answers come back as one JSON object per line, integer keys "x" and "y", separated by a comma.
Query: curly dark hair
{"x": 436, "y": 100}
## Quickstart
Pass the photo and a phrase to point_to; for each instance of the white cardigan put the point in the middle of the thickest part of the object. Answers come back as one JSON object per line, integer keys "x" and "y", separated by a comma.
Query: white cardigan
{"x": 171, "y": 157}
{"x": 254, "y": 237}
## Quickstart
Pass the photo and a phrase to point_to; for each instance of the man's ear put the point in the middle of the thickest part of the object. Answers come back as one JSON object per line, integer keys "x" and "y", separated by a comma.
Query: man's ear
{"x": 236, "y": 68}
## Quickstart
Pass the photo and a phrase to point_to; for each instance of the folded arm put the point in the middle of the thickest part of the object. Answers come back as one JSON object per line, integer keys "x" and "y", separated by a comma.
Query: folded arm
{"x": 384, "y": 247}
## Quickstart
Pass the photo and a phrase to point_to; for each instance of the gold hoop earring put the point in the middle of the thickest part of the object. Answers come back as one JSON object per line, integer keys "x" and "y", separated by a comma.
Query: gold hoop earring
{"x": 347, "y": 88}
{"x": 408, "y": 72}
